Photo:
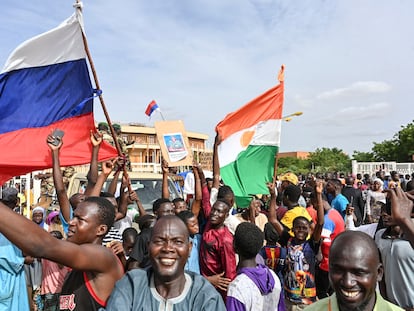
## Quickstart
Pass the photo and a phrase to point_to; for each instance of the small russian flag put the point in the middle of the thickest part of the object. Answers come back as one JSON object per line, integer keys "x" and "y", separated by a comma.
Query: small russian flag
{"x": 152, "y": 106}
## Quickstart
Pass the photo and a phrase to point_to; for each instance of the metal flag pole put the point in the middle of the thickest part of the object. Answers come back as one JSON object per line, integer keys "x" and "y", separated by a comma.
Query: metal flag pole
{"x": 162, "y": 116}
{"x": 281, "y": 78}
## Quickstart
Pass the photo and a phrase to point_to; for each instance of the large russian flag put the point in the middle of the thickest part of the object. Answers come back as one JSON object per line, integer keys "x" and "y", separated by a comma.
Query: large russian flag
{"x": 250, "y": 142}
{"x": 45, "y": 85}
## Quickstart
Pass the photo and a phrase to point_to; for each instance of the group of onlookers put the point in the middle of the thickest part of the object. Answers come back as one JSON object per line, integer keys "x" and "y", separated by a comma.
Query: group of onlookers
{"x": 310, "y": 244}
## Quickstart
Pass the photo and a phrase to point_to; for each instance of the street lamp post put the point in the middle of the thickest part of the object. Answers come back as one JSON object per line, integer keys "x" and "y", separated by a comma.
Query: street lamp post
{"x": 287, "y": 118}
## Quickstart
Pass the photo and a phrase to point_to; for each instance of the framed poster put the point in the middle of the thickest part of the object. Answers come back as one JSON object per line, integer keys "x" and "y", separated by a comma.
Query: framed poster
{"x": 173, "y": 141}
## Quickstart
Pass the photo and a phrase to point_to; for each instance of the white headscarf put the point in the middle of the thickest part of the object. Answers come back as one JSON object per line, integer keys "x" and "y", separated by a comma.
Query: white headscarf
{"x": 38, "y": 209}
{"x": 378, "y": 180}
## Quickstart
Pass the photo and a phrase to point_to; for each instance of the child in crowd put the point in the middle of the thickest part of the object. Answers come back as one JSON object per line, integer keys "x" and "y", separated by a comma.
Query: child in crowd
{"x": 190, "y": 220}
{"x": 179, "y": 205}
{"x": 54, "y": 223}
{"x": 256, "y": 287}
{"x": 129, "y": 237}
{"x": 299, "y": 274}
{"x": 273, "y": 253}
{"x": 33, "y": 268}
{"x": 139, "y": 256}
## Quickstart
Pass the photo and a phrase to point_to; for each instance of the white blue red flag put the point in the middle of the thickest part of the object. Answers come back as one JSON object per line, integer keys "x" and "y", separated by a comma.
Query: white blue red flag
{"x": 45, "y": 85}
{"x": 152, "y": 106}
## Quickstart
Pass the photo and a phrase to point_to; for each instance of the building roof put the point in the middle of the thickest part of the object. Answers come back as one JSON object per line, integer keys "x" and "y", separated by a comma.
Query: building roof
{"x": 127, "y": 128}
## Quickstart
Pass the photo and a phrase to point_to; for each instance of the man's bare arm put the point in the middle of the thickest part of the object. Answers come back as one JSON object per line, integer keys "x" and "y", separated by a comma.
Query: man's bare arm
{"x": 216, "y": 163}
{"x": 58, "y": 178}
{"x": 96, "y": 140}
{"x": 165, "y": 192}
{"x": 196, "y": 204}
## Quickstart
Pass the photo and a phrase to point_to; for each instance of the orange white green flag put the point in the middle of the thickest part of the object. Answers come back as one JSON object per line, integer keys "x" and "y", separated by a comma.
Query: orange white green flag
{"x": 250, "y": 140}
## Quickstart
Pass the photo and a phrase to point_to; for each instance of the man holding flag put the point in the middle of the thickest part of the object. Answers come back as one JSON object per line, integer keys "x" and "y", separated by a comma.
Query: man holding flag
{"x": 250, "y": 143}
{"x": 45, "y": 85}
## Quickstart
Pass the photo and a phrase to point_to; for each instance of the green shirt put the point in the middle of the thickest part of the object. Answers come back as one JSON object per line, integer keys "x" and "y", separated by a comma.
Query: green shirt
{"x": 331, "y": 304}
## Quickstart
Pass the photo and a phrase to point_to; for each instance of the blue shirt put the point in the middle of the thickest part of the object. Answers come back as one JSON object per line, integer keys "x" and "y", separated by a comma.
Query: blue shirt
{"x": 136, "y": 291}
{"x": 13, "y": 292}
{"x": 339, "y": 203}
{"x": 65, "y": 224}
{"x": 193, "y": 263}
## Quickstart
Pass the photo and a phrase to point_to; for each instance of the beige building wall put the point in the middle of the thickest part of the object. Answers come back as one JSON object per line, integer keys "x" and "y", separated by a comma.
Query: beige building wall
{"x": 294, "y": 154}
{"x": 145, "y": 153}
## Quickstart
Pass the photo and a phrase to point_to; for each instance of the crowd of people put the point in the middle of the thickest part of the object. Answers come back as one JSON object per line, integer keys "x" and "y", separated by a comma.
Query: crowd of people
{"x": 319, "y": 242}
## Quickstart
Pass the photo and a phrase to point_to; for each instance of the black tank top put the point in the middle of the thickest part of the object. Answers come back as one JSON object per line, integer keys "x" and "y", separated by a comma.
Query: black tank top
{"x": 78, "y": 295}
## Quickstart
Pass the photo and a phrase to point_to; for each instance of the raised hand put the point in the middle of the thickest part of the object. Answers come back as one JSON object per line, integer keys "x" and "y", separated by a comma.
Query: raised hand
{"x": 271, "y": 187}
{"x": 96, "y": 138}
{"x": 196, "y": 165}
{"x": 164, "y": 166}
{"x": 133, "y": 196}
{"x": 319, "y": 186}
{"x": 54, "y": 142}
{"x": 401, "y": 209}
{"x": 120, "y": 162}
{"x": 108, "y": 166}
{"x": 401, "y": 205}
{"x": 218, "y": 139}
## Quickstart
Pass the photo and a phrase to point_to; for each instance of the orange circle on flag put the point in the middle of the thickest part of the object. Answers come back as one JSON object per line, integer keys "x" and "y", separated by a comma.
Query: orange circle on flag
{"x": 246, "y": 138}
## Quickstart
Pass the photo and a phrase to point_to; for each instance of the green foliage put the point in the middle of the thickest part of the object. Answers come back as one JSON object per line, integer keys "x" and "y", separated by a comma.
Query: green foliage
{"x": 385, "y": 151}
{"x": 329, "y": 160}
{"x": 295, "y": 165}
{"x": 405, "y": 143}
{"x": 363, "y": 156}
{"x": 322, "y": 160}
{"x": 399, "y": 149}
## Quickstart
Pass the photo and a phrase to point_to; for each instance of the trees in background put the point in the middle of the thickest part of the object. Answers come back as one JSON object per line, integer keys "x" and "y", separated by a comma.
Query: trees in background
{"x": 296, "y": 165}
{"x": 329, "y": 160}
{"x": 400, "y": 149}
{"x": 361, "y": 156}
{"x": 321, "y": 160}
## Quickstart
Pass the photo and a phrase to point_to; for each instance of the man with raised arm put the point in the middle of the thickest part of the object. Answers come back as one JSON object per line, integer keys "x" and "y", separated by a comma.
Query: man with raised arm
{"x": 299, "y": 274}
{"x": 95, "y": 267}
{"x": 68, "y": 204}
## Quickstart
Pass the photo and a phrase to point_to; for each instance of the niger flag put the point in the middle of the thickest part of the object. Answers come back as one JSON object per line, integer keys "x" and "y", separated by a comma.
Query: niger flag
{"x": 250, "y": 142}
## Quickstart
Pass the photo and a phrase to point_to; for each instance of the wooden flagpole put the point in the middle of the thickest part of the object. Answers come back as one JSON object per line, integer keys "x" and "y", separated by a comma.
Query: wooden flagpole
{"x": 275, "y": 171}
{"x": 108, "y": 119}
{"x": 98, "y": 87}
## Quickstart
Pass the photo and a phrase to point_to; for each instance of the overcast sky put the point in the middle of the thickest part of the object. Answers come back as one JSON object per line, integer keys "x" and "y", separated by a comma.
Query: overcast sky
{"x": 349, "y": 64}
